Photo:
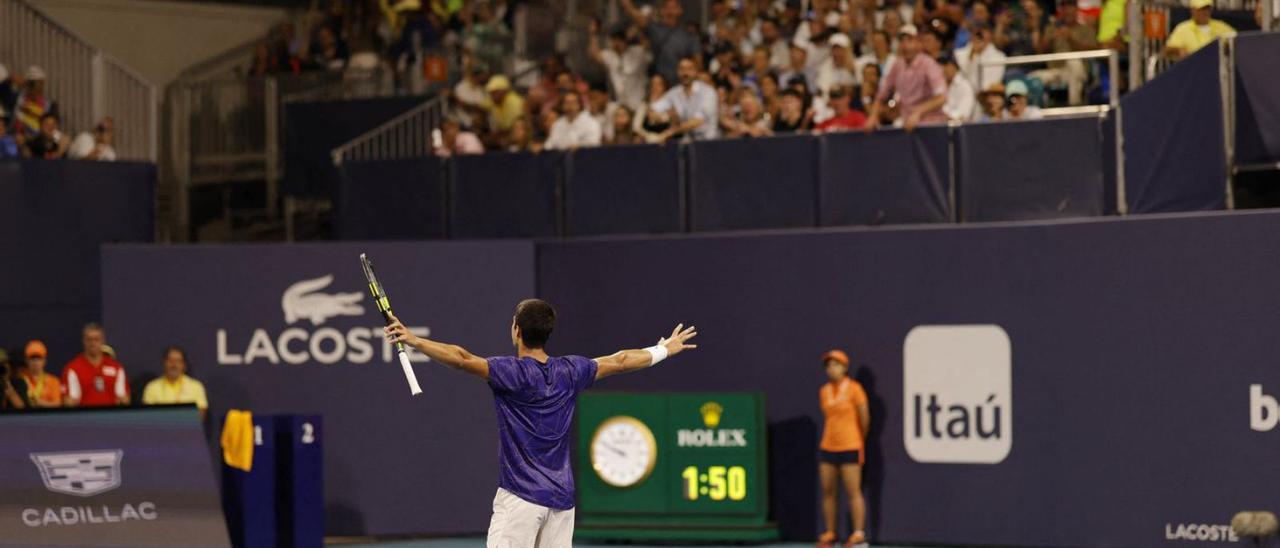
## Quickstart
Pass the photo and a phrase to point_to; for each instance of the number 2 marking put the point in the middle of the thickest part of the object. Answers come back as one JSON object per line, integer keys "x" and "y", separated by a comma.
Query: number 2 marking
{"x": 308, "y": 433}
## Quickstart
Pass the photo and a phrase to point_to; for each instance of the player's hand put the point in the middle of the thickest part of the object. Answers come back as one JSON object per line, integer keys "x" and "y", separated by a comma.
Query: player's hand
{"x": 679, "y": 336}
{"x": 398, "y": 333}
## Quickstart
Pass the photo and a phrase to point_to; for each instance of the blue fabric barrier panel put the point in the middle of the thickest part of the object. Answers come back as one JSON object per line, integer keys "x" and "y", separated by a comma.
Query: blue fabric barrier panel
{"x": 1257, "y": 107}
{"x": 1043, "y": 169}
{"x": 888, "y": 177}
{"x": 753, "y": 183}
{"x": 623, "y": 190}
{"x": 391, "y": 200}
{"x": 313, "y": 129}
{"x": 53, "y": 216}
{"x": 1173, "y": 154}
{"x": 505, "y": 195}
{"x": 1110, "y": 365}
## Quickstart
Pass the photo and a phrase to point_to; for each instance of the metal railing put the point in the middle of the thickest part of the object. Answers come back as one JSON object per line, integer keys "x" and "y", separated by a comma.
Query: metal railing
{"x": 1113, "y": 68}
{"x": 228, "y": 129}
{"x": 1150, "y": 21}
{"x": 86, "y": 83}
{"x": 408, "y": 135}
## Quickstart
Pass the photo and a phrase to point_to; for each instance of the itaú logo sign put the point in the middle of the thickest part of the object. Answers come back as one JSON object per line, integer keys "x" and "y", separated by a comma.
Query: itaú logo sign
{"x": 306, "y": 309}
{"x": 957, "y": 383}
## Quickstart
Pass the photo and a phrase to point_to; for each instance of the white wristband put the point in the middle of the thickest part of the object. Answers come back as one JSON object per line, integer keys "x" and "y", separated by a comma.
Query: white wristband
{"x": 657, "y": 353}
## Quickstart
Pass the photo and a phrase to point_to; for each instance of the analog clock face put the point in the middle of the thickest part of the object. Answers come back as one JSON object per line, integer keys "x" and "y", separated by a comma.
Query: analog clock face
{"x": 623, "y": 451}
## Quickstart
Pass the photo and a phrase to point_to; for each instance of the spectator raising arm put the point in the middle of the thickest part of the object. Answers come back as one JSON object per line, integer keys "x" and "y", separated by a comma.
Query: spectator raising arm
{"x": 629, "y": 7}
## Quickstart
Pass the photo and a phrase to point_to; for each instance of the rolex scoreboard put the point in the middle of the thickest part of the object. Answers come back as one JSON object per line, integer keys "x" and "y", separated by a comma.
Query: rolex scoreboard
{"x": 672, "y": 466}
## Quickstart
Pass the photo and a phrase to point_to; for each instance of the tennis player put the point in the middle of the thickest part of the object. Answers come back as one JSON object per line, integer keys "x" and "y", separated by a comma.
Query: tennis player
{"x": 535, "y": 395}
{"x": 840, "y": 457}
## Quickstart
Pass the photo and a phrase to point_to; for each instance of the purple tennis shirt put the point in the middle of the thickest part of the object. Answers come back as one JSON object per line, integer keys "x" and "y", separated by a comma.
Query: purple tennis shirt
{"x": 535, "y": 403}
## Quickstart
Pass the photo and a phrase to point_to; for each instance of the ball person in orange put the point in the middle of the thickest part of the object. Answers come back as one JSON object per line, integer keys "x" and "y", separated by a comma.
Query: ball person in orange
{"x": 842, "y": 452}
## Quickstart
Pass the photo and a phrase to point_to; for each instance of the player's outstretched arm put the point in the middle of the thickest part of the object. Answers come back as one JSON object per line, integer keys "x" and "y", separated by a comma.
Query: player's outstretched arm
{"x": 625, "y": 361}
{"x": 450, "y": 355}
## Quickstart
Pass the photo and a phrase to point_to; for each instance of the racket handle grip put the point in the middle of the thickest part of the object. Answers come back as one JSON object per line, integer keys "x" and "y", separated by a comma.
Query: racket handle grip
{"x": 414, "y": 389}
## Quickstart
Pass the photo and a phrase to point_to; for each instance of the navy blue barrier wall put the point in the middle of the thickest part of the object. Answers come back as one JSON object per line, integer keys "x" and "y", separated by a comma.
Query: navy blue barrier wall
{"x": 53, "y": 216}
{"x": 624, "y": 190}
{"x": 1129, "y": 405}
{"x": 1122, "y": 378}
{"x": 1031, "y": 170}
{"x": 1173, "y": 154}
{"x": 1257, "y": 110}
{"x": 313, "y": 129}
{"x": 391, "y": 200}
{"x": 505, "y": 195}
{"x": 753, "y": 183}
{"x": 288, "y": 329}
{"x": 890, "y": 177}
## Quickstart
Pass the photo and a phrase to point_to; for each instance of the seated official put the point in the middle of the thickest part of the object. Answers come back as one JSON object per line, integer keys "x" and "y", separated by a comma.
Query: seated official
{"x": 175, "y": 386}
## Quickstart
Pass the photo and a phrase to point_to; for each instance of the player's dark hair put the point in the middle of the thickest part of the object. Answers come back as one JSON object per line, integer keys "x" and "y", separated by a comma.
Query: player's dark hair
{"x": 536, "y": 320}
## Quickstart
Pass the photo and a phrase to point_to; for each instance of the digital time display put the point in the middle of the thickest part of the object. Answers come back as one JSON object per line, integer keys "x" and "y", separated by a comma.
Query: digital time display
{"x": 715, "y": 482}
{"x": 689, "y": 466}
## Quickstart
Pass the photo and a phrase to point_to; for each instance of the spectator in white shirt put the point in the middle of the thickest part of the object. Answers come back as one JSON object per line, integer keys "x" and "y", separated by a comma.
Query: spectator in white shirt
{"x": 980, "y": 50}
{"x": 771, "y": 38}
{"x": 602, "y": 109}
{"x": 626, "y": 60}
{"x": 693, "y": 106}
{"x": 962, "y": 100}
{"x": 469, "y": 92}
{"x": 96, "y": 145}
{"x": 575, "y": 128}
{"x": 840, "y": 69}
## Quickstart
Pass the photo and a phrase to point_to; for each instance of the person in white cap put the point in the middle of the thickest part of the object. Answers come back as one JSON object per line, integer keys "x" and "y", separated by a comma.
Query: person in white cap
{"x": 33, "y": 104}
{"x": 840, "y": 69}
{"x": 1195, "y": 33}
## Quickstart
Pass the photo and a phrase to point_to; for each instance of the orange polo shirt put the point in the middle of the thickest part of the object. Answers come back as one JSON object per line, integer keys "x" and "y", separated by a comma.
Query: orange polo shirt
{"x": 840, "y": 402}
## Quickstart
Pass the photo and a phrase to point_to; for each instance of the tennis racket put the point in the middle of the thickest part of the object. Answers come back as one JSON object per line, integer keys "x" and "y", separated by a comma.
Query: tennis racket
{"x": 384, "y": 306}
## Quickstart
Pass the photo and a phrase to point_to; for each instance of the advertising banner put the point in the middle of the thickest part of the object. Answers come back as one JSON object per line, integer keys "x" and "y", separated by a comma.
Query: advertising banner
{"x": 290, "y": 329}
{"x": 127, "y": 477}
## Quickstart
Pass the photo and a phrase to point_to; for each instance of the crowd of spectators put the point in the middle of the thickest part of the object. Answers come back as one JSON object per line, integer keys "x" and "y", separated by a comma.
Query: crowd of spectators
{"x": 407, "y": 36}
{"x": 756, "y": 68}
{"x": 94, "y": 378}
{"x": 771, "y": 67}
{"x": 31, "y": 127}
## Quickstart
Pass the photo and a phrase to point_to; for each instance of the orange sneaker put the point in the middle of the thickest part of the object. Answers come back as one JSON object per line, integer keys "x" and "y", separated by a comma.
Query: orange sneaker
{"x": 858, "y": 540}
{"x": 827, "y": 540}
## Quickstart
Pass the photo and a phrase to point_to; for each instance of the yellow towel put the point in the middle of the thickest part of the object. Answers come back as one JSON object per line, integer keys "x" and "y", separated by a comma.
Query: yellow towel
{"x": 237, "y": 440}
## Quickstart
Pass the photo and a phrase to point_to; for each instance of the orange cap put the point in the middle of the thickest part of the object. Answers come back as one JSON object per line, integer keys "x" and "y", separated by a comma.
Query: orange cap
{"x": 36, "y": 349}
{"x": 837, "y": 355}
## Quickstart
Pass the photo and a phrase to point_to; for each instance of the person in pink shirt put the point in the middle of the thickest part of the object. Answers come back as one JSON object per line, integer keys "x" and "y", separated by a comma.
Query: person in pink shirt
{"x": 918, "y": 82}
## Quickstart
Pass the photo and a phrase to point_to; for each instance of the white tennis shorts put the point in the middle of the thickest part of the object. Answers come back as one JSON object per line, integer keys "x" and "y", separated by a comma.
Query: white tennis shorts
{"x": 518, "y": 523}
